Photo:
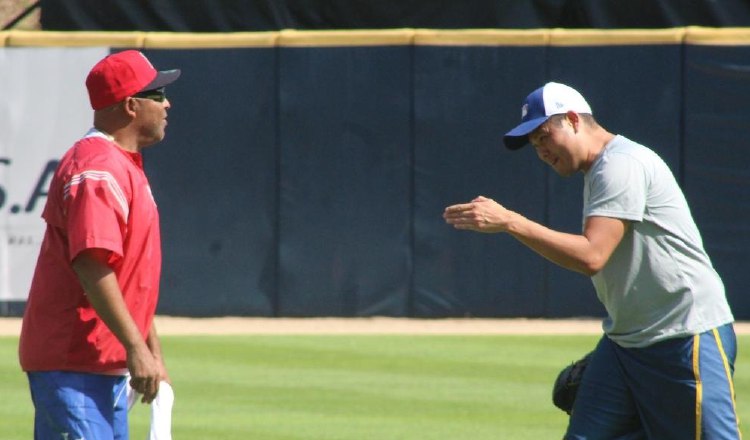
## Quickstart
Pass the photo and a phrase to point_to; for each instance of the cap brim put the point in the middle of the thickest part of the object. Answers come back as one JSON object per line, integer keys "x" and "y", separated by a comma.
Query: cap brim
{"x": 162, "y": 79}
{"x": 519, "y": 136}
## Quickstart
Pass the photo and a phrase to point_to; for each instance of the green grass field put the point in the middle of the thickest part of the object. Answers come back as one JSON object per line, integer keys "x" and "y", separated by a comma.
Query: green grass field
{"x": 353, "y": 387}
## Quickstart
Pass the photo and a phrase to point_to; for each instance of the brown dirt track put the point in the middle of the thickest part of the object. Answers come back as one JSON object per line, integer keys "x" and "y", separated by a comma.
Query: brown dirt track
{"x": 167, "y": 325}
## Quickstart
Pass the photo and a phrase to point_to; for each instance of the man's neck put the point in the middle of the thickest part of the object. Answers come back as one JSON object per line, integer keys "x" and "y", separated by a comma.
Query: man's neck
{"x": 598, "y": 142}
{"x": 120, "y": 139}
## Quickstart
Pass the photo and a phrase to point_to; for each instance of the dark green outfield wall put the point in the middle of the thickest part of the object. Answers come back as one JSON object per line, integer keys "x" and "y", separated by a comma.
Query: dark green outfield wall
{"x": 310, "y": 181}
{"x": 305, "y": 173}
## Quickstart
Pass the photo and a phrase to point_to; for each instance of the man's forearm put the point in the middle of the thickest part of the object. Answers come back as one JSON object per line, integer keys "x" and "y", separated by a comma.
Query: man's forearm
{"x": 569, "y": 251}
{"x": 153, "y": 342}
{"x": 587, "y": 253}
{"x": 103, "y": 292}
{"x": 486, "y": 215}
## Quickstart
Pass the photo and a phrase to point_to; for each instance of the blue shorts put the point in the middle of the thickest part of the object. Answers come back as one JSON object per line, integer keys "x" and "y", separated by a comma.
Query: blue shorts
{"x": 79, "y": 405}
{"x": 676, "y": 389}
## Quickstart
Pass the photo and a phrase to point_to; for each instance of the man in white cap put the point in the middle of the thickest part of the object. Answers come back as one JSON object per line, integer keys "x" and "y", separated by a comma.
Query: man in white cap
{"x": 88, "y": 322}
{"x": 663, "y": 369}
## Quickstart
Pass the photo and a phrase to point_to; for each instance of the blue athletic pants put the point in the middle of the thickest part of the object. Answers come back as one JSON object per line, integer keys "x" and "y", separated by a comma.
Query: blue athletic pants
{"x": 679, "y": 389}
{"x": 79, "y": 406}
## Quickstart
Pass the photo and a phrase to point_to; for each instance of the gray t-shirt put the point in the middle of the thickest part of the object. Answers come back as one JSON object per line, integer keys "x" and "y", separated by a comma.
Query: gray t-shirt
{"x": 659, "y": 283}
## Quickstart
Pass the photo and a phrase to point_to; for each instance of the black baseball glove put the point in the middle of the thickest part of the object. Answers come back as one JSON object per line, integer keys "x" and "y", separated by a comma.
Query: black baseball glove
{"x": 566, "y": 385}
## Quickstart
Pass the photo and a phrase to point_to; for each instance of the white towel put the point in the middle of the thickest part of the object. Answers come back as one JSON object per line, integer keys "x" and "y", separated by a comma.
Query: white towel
{"x": 161, "y": 411}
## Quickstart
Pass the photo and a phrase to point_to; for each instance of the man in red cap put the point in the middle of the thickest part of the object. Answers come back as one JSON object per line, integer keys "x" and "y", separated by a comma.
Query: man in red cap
{"x": 88, "y": 321}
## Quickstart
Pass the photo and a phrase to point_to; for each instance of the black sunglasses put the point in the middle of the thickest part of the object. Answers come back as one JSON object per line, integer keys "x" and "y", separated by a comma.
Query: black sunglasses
{"x": 158, "y": 95}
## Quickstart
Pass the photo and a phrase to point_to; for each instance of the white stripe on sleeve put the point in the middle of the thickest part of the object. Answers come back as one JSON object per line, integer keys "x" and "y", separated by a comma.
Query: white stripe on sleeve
{"x": 104, "y": 176}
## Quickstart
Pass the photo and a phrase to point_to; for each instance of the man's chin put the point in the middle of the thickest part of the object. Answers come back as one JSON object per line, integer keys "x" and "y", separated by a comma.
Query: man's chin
{"x": 154, "y": 140}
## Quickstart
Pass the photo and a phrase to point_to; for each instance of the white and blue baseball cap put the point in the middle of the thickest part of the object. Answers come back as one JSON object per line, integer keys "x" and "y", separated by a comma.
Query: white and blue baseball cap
{"x": 550, "y": 99}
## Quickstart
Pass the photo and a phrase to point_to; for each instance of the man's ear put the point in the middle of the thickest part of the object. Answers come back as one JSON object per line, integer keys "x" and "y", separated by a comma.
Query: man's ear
{"x": 574, "y": 119}
{"x": 130, "y": 105}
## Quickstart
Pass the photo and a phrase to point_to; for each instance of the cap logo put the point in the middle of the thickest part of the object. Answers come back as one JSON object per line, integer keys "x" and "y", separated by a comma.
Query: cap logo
{"x": 559, "y": 105}
{"x": 524, "y": 110}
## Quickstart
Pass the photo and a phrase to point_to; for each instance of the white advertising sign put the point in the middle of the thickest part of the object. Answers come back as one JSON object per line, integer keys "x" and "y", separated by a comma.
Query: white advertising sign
{"x": 44, "y": 109}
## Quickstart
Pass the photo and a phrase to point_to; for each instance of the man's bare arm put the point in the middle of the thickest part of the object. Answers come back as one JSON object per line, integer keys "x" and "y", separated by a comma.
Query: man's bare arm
{"x": 103, "y": 292}
{"x": 586, "y": 253}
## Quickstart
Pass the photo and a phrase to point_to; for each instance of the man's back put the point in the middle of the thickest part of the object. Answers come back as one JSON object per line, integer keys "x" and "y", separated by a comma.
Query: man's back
{"x": 659, "y": 282}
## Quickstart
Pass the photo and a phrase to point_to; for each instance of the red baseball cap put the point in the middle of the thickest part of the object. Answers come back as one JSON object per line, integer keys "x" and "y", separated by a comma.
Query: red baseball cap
{"x": 124, "y": 74}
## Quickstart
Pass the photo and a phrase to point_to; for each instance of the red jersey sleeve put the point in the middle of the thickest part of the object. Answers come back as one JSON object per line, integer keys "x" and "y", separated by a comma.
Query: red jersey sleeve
{"x": 96, "y": 212}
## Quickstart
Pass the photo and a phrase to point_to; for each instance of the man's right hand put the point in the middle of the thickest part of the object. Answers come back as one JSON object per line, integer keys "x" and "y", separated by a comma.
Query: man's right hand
{"x": 145, "y": 373}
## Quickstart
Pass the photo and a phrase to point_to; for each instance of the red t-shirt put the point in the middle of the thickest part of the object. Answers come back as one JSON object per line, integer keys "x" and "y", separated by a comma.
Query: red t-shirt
{"x": 99, "y": 197}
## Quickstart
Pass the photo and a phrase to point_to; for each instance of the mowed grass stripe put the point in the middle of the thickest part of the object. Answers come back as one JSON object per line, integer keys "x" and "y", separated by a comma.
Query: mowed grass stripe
{"x": 373, "y": 386}
{"x": 284, "y": 387}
